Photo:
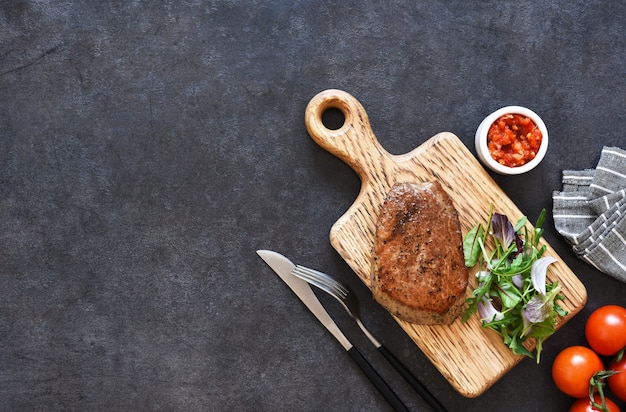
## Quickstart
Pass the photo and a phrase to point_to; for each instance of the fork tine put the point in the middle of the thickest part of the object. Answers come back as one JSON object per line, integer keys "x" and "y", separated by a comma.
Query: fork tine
{"x": 322, "y": 278}
{"x": 330, "y": 286}
{"x": 311, "y": 279}
{"x": 315, "y": 280}
{"x": 339, "y": 291}
{"x": 313, "y": 276}
{"x": 321, "y": 283}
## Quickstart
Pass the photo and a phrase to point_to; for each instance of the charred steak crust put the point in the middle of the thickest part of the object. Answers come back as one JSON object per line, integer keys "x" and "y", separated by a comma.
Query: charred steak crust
{"x": 418, "y": 267}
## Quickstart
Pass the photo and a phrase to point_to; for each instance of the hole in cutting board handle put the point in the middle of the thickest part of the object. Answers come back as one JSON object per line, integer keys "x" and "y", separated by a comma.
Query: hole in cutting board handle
{"x": 333, "y": 118}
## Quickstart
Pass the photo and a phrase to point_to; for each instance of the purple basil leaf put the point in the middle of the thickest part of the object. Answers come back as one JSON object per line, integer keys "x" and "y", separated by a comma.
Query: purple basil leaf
{"x": 503, "y": 230}
{"x": 537, "y": 309}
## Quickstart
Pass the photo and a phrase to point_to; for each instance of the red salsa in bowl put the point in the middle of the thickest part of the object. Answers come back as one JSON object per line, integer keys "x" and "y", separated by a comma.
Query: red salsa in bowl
{"x": 513, "y": 140}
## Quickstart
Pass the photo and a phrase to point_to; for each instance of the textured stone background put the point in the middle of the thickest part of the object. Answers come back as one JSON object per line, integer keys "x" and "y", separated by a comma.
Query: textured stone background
{"x": 147, "y": 149}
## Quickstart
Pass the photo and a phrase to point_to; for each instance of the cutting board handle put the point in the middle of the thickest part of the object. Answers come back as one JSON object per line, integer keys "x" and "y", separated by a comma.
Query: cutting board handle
{"x": 354, "y": 142}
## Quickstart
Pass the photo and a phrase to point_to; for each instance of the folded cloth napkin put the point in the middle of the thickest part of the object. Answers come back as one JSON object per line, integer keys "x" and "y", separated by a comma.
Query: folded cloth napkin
{"x": 590, "y": 212}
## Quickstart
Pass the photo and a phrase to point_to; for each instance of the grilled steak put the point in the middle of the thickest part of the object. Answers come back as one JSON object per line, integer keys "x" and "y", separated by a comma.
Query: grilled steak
{"x": 418, "y": 267}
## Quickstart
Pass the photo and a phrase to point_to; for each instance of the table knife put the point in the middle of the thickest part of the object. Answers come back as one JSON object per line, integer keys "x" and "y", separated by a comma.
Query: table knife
{"x": 283, "y": 268}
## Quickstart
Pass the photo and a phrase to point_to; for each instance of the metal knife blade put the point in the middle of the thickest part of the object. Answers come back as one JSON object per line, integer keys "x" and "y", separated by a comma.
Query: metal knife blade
{"x": 283, "y": 268}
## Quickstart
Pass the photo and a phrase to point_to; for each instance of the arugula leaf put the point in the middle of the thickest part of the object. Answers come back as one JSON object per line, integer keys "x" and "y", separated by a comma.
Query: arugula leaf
{"x": 559, "y": 310}
{"x": 540, "y": 219}
{"x": 521, "y": 222}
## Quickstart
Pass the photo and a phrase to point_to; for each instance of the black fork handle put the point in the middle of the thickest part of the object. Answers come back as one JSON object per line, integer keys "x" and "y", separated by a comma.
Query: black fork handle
{"x": 412, "y": 380}
{"x": 377, "y": 380}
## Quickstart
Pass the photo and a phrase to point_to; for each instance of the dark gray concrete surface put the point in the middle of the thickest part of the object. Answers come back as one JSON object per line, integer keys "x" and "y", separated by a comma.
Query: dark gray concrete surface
{"x": 147, "y": 149}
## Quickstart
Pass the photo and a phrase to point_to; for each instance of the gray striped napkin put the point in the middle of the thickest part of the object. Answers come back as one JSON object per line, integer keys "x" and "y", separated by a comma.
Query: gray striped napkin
{"x": 590, "y": 212}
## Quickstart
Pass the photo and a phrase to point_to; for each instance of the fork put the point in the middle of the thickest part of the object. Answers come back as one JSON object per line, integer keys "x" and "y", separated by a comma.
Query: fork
{"x": 350, "y": 302}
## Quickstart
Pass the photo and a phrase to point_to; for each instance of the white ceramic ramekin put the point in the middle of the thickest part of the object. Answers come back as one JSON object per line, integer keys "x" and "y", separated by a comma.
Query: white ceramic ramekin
{"x": 483, "y": 151}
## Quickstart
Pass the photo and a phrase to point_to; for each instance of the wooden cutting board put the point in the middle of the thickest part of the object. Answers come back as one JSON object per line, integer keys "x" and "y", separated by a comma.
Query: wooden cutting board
{"x": 469, "y": 357}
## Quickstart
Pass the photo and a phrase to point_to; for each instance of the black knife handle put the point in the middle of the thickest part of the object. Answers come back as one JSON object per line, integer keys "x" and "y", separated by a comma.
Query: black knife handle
{"x": 377, "y": 380}
{"x": 412, "y": 380}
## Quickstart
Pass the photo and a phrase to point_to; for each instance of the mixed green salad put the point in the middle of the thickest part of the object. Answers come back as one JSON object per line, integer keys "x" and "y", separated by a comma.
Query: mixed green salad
{"x": 512, "y": 296}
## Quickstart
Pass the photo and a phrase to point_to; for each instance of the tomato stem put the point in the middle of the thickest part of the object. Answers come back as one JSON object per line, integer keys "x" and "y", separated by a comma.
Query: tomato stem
{"x": 596, "y": 383}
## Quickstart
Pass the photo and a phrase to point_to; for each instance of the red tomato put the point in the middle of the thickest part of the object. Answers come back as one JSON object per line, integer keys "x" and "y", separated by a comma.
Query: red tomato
{"x": 584, "y": 405}
{"x": 617, "y": 382}
{"x": 573, "y": 368}
{"x": 606, "y": 329}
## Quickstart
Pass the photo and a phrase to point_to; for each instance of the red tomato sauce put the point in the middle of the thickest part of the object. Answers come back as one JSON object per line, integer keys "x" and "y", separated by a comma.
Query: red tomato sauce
{"x": 513, "y": 140}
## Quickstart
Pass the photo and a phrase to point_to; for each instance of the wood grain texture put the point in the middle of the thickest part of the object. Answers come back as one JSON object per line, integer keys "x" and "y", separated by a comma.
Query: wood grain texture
{"x": 469, "y": 357}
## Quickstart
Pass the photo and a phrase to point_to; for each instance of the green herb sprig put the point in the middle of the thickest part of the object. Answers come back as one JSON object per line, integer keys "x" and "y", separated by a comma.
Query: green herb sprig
{"x": 512, "y": 296}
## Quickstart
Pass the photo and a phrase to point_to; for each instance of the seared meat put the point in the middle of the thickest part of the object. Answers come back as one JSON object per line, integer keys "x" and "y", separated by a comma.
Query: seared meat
{"x": 418, "y": 268}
